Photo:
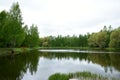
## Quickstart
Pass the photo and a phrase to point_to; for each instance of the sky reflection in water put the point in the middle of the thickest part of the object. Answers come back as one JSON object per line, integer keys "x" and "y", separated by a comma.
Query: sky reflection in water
{"x": 37, "y": 65}
{"x": 55, "y": 63}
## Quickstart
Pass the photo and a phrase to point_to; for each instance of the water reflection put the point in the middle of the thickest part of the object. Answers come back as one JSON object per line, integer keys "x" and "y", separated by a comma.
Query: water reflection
{"x": 105, "y": 60}
{"x": 15, "y": 68}
{"x": 37, "y": 65}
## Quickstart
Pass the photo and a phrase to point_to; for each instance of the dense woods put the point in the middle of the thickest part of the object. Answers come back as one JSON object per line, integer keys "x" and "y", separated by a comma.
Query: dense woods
{"x": 13, "y": 31}
{"x": 66, "y": 41}
{"x": 91, "y": 56}
{"x": 107, "y": 37}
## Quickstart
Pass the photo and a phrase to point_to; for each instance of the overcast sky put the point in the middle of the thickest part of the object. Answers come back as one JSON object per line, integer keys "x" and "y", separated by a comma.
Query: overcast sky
{"x": 67, "y": 17}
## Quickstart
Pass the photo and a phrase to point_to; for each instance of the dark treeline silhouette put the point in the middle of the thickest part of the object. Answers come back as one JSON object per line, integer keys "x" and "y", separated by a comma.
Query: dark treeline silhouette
{"x": 107, "y": 37}
{"x": 13, "y": 32}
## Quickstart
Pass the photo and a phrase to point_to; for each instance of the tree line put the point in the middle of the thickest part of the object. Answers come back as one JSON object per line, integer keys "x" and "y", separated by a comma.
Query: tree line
{"x": 67, "y": 41}
{"x": 105, "y": 38}
{"x": 13, "y": 31}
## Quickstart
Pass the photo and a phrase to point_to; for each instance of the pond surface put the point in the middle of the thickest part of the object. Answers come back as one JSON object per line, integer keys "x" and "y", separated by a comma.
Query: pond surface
{"x": 39, "y": 65}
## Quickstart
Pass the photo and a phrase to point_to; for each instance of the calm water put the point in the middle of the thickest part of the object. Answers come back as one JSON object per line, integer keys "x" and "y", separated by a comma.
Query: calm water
{"x": 39, "y": 65}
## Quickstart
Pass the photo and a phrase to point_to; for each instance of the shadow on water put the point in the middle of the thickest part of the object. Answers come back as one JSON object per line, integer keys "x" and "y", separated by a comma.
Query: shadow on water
{"x": 16, "y": 68}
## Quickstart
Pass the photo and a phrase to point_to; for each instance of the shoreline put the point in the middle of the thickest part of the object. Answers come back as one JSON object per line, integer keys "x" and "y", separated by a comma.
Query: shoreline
{"x": 14, "y": 51}
{"x": 83, "y": 48}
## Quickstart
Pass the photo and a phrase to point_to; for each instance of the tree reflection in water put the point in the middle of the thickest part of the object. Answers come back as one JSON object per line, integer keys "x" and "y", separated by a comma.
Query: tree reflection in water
{"x": 106, "y": 60}
{"x": 15, "y": 68}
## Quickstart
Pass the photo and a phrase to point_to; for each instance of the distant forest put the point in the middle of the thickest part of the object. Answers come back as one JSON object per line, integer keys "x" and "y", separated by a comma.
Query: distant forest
{"x": 105, "y": 38}
{"x": 14, "y": 33}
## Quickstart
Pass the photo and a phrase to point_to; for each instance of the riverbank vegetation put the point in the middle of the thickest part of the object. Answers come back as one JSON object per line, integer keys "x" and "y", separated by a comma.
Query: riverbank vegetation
{"x": 79, "y": 76}
{"x": 107, "y": 38}
{"x": 13, "y": 32}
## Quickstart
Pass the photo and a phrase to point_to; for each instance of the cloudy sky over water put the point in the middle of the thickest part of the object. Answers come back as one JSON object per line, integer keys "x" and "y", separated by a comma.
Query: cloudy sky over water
{"x": 67, "y": 17}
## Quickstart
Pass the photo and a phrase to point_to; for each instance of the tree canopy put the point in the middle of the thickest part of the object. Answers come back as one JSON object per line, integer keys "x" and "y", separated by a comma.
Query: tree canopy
{"x": 107, "y": 37}
{"x": 115, "y": 38}
{"x": 14, "y": 33}
{"x": 12, "y": 30}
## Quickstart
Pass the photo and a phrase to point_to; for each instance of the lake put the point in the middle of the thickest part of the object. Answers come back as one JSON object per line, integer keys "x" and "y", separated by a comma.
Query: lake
{"x": 39, "y": 65}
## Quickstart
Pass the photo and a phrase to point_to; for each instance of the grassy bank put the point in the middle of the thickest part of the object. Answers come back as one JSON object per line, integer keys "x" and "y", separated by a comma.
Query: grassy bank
{"x": 79, "y": 76}
{"x": 82, "y": 48}
{"x": 15, "y": 51}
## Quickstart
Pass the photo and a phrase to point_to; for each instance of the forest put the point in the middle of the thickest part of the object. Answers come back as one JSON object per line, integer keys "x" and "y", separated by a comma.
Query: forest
{"x": 105, "y": 38}
{"x": 25, "y": 55}
{"x": 13, "y": 31}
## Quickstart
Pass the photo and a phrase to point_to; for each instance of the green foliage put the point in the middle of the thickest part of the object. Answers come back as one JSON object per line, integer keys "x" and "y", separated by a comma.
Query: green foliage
{"x": 66, "y": 41}
{"x": 15, "y": 13}
{"x": 12, "y": 32}
{"x": 3, "y": 16}
{"x": 105, "y": 38}
{"x": 101, "y": 39}
{"x": 115, "y": 38}
{"x": 92, "y": 40}
{"x": 31, "y": 36}
{"x": 79, "y": 76}
{"x": 59, "y": 76}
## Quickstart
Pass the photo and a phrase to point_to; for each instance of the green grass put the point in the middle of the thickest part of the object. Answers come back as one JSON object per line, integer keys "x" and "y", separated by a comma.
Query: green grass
{"x": 21, "y": 49}
{"x": 80, "y": 76}
{"x": 24, "y": 49}
{"x": 59, "y": 76}
{"x": 8, "y": 51}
